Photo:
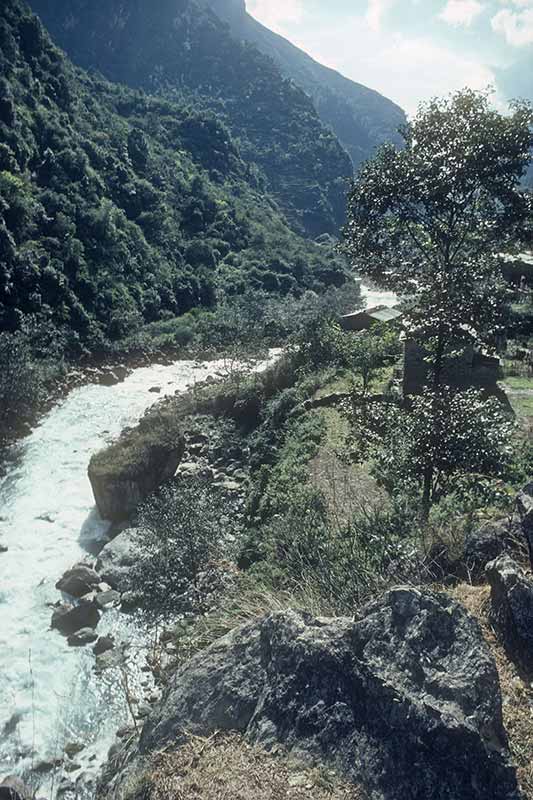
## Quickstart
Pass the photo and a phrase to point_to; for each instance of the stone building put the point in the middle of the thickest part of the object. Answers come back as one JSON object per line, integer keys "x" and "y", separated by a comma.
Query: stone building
{"x": 470, "y": 367}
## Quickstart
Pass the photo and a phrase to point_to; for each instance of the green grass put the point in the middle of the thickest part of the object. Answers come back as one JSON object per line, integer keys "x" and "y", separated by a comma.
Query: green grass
{"x": 522, "y": 405}
{"x": 346, "y": 381}
{"x": 518, "y": 382}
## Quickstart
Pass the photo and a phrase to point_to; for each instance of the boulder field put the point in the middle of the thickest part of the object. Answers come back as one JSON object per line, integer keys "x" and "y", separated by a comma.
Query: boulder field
{"x": 404, "y": 699}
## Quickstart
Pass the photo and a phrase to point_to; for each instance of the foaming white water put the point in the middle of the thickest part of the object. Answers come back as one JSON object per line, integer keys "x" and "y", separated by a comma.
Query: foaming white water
{"x": 374, "y": 297}
{"x": 49, "y": 694}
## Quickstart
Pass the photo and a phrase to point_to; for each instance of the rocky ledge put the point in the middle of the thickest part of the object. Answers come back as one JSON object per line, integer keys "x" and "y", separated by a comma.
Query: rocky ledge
{"x": 141, "y": 459}
{"x": 404, "y": 700}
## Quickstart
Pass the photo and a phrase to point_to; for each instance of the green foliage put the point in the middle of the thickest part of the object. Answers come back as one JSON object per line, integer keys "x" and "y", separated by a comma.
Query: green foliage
{"x": 119, "y": 209}
{"x": 306, "y": 550}
{"x": 181, "y": 529}
{"x": 30, "y": 359}
{"x": 275, "y": 127}
{"x": 20, "y": 385}
{"x": 299, "y": 444}
{"x": 441, "y": 443}
{"x": 436, "y": 212}
{"x": 323, "y": 343}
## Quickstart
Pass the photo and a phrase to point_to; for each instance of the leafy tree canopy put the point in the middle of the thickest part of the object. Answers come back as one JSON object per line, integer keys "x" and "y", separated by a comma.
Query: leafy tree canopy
{"x": 429, "y": 220}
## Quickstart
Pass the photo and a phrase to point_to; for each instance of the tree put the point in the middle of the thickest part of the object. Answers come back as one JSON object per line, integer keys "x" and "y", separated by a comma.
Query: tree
{"x": 429, "y": 221}
{"x": 455, "y": 437}
{"x": 369, "y": 351}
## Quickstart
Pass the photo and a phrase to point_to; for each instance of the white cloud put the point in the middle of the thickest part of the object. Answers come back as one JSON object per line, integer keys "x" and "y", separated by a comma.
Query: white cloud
{"x": 276, "y": 14}
{"x": 406, "y": 68}
{"x": 515, "y": 26}
{"x": 519, "y": 3}
{"x": 461, "y": 12}
{"x": 376, "y": 12}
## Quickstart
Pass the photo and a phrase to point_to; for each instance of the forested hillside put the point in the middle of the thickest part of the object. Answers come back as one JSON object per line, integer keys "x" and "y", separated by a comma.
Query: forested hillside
{"x": 118, "y": 208}
{"x": 180, "y": 48}
{"x": 361, "y": 118}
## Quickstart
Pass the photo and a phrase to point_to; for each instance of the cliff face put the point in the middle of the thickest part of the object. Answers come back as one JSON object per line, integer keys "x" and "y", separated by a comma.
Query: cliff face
{"x": 361, "y": 118}
{"x": 181, "y": 48}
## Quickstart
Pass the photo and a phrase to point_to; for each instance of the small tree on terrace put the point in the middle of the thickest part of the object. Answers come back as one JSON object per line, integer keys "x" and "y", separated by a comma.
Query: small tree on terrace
{"x": 429, "y": 220}
{"x": 460, "y": 439}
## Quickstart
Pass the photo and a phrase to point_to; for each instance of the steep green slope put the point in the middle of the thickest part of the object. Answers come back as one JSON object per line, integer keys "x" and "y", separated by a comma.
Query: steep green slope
{"x": 176, "y": 46}
{"x": 118, "y": 208}
{"x": 361, "y": 118}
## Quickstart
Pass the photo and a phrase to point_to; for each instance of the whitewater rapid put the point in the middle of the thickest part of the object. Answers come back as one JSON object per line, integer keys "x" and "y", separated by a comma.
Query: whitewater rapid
{"x": 49, "y": 694}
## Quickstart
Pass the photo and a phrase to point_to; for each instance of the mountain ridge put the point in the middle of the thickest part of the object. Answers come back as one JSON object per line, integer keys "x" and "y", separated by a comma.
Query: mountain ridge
{"x": 118, "y": 208}
{"x": 360, "y": 117}
{"x": 183, "y": 49}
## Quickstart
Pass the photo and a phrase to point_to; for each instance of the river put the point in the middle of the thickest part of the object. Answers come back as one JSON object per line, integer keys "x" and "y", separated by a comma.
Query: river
{"x": 49, "y": 693}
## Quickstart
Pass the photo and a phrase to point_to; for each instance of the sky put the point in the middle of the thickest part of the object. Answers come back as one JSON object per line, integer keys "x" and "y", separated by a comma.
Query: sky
{"x": 412, "y": 50}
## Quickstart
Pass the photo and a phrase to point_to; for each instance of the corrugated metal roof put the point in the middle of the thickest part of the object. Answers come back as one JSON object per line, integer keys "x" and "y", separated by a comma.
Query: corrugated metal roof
{"x": 385, "y": 314}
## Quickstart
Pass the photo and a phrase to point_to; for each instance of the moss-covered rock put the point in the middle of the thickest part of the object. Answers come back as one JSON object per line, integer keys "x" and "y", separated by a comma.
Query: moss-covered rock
{"x": 141, "y": 459}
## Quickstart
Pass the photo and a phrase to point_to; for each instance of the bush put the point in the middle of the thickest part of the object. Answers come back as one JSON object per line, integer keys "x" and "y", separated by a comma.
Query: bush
{"x": 21, "y": 387}
{"x": 307, "y": 550}
{"x": 182, "y": 528}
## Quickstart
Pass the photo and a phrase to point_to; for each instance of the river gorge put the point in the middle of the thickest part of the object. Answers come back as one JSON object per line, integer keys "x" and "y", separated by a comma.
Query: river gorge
{"x": 50, "y": 695}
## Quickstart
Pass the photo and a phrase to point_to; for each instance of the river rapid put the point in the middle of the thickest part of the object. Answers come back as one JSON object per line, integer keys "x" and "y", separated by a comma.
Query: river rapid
{"x": 50, "y": 695}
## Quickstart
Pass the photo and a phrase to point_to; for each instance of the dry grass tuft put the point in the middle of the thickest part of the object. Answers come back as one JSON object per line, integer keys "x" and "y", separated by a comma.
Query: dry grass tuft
{"x": 517, "y": 690}
{"x": 226, "y": 767}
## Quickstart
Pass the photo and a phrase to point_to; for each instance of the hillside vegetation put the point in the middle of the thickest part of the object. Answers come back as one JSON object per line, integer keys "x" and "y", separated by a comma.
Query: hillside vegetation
{"x": 117, "y": 208}
{"x": 180, "y": 48}
{"x": 361, "y": 118}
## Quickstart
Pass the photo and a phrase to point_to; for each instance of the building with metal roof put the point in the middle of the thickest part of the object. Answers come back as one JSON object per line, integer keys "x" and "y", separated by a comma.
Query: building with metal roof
{"x": 365, "y": 319}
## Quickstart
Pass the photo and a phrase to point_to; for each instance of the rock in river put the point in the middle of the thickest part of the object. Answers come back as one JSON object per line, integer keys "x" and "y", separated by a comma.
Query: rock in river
{"x": 68, "y": 619}
{"x": 82, "y": 637}
{"x": 117, "y": 559}
{"x": 125, "y": 473}
{"x": 78, "y": 581}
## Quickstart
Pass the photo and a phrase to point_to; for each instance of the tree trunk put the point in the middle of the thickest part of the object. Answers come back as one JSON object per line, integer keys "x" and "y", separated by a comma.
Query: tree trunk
{"x": 426, "y": 495}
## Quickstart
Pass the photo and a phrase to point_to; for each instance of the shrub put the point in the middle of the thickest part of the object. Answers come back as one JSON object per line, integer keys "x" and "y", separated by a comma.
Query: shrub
{"x": 182, "y": 528}
{"x": 20, "y": 384}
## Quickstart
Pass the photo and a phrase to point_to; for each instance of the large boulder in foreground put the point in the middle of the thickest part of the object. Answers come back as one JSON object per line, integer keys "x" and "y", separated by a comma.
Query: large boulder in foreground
{"x": 405, "y": 700}
{"x": 141, "y": 459}
{"x": 117, "y": 559}
{"x": 511, "y": 612}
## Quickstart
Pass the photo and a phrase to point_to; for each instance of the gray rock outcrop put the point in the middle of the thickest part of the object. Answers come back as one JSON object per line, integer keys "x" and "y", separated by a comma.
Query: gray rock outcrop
{"x": 405, "y": 699}
{"x": 524, "y": 503}
{"x": 511, "y": 611}
{"x": 486, "y": 544}
{"x": 117, "y": 558}
{"x": 123, "y": 475}
{"x": 13, "y": 788}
